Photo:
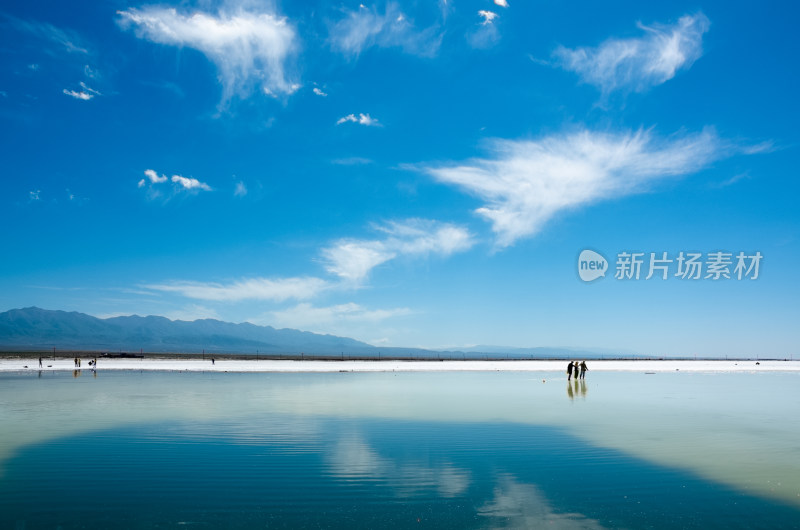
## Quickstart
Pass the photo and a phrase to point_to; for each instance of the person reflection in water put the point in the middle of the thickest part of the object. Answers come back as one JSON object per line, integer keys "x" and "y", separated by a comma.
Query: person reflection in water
{"x": 576, "y": 388}
{"x": 583, "y": 369}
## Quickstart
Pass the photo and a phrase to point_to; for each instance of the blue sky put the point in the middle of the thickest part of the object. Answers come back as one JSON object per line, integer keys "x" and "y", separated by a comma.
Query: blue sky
{"x": 407, "y": 173}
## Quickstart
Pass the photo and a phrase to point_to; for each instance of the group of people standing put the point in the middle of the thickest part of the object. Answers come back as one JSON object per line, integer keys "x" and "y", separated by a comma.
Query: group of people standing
{"x": 92, "y": 363}
{"x": 577, "y": 369}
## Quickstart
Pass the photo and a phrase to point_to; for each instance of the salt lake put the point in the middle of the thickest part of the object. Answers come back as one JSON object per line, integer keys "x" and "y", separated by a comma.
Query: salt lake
{"x": 451, "y": 449}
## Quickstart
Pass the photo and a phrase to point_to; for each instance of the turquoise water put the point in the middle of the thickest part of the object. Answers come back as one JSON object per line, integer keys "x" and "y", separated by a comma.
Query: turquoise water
{"x": 451, "y": 450}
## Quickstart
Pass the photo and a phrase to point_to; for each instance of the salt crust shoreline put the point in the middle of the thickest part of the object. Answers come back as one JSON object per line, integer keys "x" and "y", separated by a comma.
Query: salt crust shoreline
{"x": 292, "y": 366}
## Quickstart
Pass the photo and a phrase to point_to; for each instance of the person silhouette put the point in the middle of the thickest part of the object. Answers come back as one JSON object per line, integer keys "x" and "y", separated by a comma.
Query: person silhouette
{"x": 570, "y": 368}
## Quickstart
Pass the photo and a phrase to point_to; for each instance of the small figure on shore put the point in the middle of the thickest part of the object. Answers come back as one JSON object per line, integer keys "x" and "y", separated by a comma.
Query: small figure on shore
{"x": 212, "y": 361}
{"x": 583, "y": 369}
{"x": 75, "y": 362}
{"x": 40, "y": 362}
{"x": 570, "y": 368}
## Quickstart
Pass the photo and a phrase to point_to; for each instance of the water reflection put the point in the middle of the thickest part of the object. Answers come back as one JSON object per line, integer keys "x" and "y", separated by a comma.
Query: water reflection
{"x": 577, "y": 387}
{"x": 520, "y": 505}
{"x": 736, "y": 433}
{"x": 304, "y": 471}
{"x": 353, "y": 459}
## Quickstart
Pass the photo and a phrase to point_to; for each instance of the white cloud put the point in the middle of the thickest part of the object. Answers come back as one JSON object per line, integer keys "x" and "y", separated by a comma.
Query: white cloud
{"x": 526, "y": 183}
{"x": 353, "y": 259}
{"x": 276, "y": 290}
{"x": 488, "y": 16}
{"x": 190, "y": 183}
{"x": 501, "y": 3}
{"x": 363, "y": 28}
{"x": 362, "y": 119}
{"x": 34, "y": 195}
{"x": 319, "y": 92}
{"x": 241, "y": 189}
{"x": 89, "y": 90}
{"x": 639, "y": 64}
{"x": 307, "y": 316}
{"x": 423, "y": 236}
{"x": 487, "y": 34}
{"x": 153, "y": 176}
{"x": 248, "y": 48}
{"x": 82, "y": 95}
{"x": 181, "y": 184}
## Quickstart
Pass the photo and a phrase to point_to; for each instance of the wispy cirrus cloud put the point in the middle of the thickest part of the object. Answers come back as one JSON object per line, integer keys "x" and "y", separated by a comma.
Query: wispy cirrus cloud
{"x": 365, "y": 27}
{"x": 65, "y": 39}
{"x": 352, "y": 161}
{"x": 640, "y": 63}
{"x": 487, "y": 34}
{"x": 82, "y": 95}
{"x": 86, "y": 93}
{"x": 361, "y": 119}
{"x": 68, "y": 48}
{"x": 525, "y": 183}
{"x": 273, "y": 289}
{"x": 353, "y": 259}
{"x": 308, "y": 316}
{"x": 240, "y": 190}
{"x": 248, "y": 48}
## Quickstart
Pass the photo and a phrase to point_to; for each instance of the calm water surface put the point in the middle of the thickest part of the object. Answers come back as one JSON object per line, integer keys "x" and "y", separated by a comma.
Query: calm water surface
{"x": 376, "y": 450}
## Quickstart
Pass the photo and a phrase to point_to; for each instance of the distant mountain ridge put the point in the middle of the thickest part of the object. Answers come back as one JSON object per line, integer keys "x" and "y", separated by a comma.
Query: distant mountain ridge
{"x": 35, "y": 328}
{"x": 32, "y": 328}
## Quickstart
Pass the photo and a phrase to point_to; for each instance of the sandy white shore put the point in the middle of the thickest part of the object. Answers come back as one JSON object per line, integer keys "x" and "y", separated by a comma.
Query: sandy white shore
{"x": 223, "y": 365}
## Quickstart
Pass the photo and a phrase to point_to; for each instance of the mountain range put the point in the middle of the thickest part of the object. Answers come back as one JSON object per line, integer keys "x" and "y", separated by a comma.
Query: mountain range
{"x": 32, "y": 328}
